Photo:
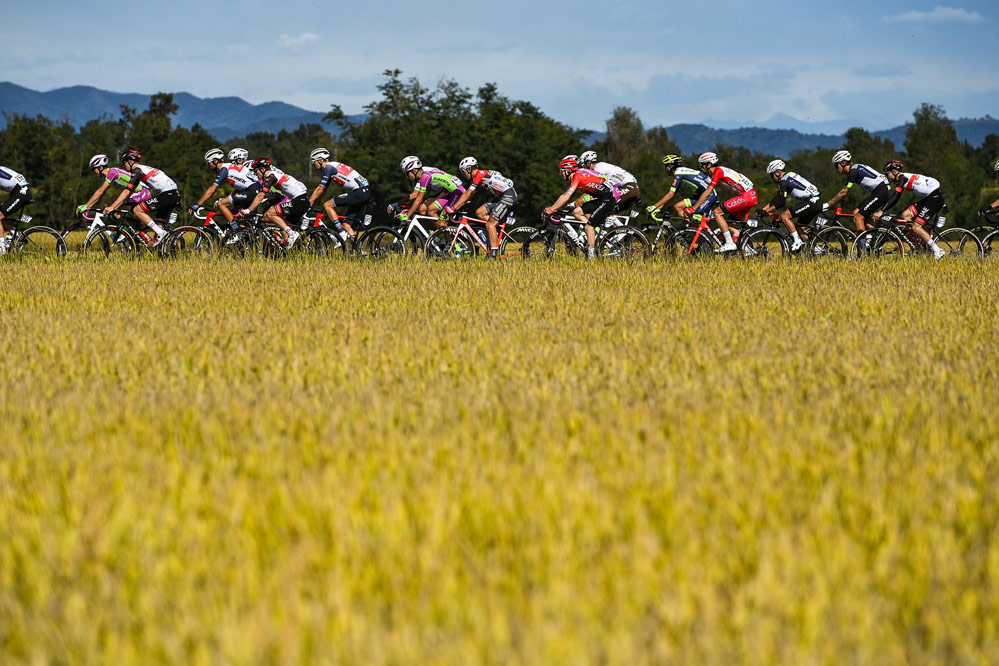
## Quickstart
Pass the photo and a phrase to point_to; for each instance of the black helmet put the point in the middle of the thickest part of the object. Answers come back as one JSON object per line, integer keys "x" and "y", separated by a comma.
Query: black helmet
{"x": 129, "y": 155}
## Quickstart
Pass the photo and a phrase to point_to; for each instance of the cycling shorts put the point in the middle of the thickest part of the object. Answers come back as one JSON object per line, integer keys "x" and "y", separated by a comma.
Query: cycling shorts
{"x": 354, "y": 203}
{"x": 162, "y": 204}
{"x": 875, "y": 201}
{"x": 599, "y": 207}
{"x": 500, "y": 209}
{"x": 18, "y": 199}
{"x": 450, "y": 199}
{"x": 926, "y": 209}
{"x": 804, "y": 212}
{"x": 293, "y": 210}
{"x": 742, "y": 204}
{"x": 140, "y": 196}
{"x": 243, "y": 199}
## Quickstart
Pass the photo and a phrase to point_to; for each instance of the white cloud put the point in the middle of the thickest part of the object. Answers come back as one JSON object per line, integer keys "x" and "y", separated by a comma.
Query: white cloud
{"x": 297, "y": 43}
{"x": 938, "y": 15}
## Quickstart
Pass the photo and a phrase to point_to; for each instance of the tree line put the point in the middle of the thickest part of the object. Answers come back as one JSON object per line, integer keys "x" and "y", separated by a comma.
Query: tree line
{"x": 443, "y": 123}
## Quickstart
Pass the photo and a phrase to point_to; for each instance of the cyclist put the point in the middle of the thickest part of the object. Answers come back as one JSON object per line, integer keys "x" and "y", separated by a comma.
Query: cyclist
{"x": 20, "y": 196}
{"x": 164, "y": 201}
{"x": 991, "y": 208}
{"x": 604, "y": 194}
{"x": 684, "y": 176}
{"x": 493, "y": 212}
{"x": 743, "y": 201}
{"x": 240, "y": 176}
{"x": 925, "y": 209}
{"x": 112, "y": 176}
{"x": 237, "y": 156}
{"x": 806, "y": 195}
{"x": 870, "y": 180}
{"x": 276, "y": 185}
{"x": 356, "y": 197}
{"x": 442, "y": 188}
{"x": 627, "y": 184}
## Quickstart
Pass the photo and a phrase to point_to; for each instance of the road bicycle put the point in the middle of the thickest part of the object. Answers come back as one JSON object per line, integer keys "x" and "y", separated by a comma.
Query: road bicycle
{"x": 38, "y": 240}
{"x": 990, "y": 238}
{"x": 893, "y": 238}
{"x": 467, "y": 236}
{"x": 564, "y": 235}
{"x": 766, "y": 237}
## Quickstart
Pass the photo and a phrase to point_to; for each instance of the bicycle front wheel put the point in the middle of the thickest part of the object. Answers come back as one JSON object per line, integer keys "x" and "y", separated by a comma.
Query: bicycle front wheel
{"x": 382, "y": 243}
{"x": 831, "y": 242}
{"x": 188, "y": 241}
{"x": 109, "y": 241}
{"x": 514, "y": 240}
{"x": 624, "y": 243}
{"x": 763, "y": 244}
{"x": 960, "y": 243}
{"x": 41, "y": 242}
{"x": 691, "y": 244}
{"x": 879, "y": 243}
{"x": 450, "y": 243}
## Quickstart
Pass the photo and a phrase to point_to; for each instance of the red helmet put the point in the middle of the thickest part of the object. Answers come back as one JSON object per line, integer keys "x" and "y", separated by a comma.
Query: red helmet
{"x": 261, "y": 163}
{"x": 570, "y": 163}
{"x": 129, "y": 155}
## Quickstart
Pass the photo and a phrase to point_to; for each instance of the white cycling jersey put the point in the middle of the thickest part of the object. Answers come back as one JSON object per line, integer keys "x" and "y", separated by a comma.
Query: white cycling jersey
{"x": 496, "y": 182}
{"x": 614, "y": 173}
{"x": 240, "y": 176}
{"x": 865, "y": 176}
{"x": 289, "y": 186}
{"x": 153, "y": 178}
{"x": 11, "y": 180}
{"x": 794, "y": 186}
{"x": 343, "y": 175}
{"x": 921, "y": 185}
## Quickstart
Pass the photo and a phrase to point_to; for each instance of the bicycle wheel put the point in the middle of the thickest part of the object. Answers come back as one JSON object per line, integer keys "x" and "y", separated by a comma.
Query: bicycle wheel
{"x": 74, "y": 234}
{"x": 831, "y": 242}
{"x": 382, "y": 243}
{"x": 763, "y": 244}
{"x": 109, "y": 241}
{"x": 188, "y": 241}
{"x": 450, "y": 243}
{"x": 513, "y": 241}
{"x": 624, "y": 243}
{"x": 535, "y": 245}
{"x": 687, "y": 247}
{"x": 880, "y": 243}
{"x": 988, "y": 242}
{"x": 273, "y": 244}
{"x": 41, "y": 242}
{"x": 960, "y": 243}
{"x": 240, "y": 243}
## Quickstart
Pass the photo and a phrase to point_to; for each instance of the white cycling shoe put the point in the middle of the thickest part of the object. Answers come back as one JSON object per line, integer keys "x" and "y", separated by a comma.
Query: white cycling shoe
{"x": 797, "y": 245}
{"x": 727, "y": 247}
{"x": 292, "y": 237}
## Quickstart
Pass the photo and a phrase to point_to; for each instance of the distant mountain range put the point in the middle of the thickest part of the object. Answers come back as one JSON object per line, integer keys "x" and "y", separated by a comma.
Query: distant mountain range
{"x": 228, "y": 117}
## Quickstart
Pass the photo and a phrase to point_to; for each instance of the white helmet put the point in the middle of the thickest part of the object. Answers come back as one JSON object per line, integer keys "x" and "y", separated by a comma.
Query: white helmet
{"x": 98, "y": 161}
{"x": 996, "y": 167}
{"x": 214, "y": 154}
{"x": 319, "y": 154}
{"x": 468, "y": 163}
{"x": 587, "y": 157}
{"x": 707, "y": 158}
{"x": 238, "y": 155}
{"x": 410, "y": 163}
{"x": 776, "y": 165}
{"x": 842, "y": 156}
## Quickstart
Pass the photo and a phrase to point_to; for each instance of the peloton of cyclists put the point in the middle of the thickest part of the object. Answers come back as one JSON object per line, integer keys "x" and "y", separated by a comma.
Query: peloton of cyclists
{"x": 20, "y": 196}
{"x": 923, "y": 211}
{"x": 434, "y": 194}
{"x": 112, "y": 176}
{"x": 626, "y": 183}
{"x": 276, "y": 186}
{"x": 743, "y": 201}
{"x": 994, "y": 206}
{"x": 164, "y": 201}
{"x": 697, "y": 180}
{"x": 493, "y": 212}
{"x": 872, "y": 181}
{"x": 807, "y": 204}
{"x": 604, "y": 195}
{"x": 354, "y": 199}
{"x": 242, "y": 178}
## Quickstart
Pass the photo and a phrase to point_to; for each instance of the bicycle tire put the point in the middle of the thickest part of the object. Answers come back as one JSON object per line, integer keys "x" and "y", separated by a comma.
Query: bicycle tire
{"x": 958, "y": 243}
{"x": 763, "y": 244}
{"x": 685, "y": 243}
{"x": 831, "y": 242}
{"x": 987, "y": 243}
{"x": 110, "y": 241}
{"x": 513, "y": 241}
{"x": 626, "y": 243}
{"x": 188, "y": 240}
{"x": 878, "y": 243}
{"x": 450, "y": 243}
{"x": 381, "y": 243}
{"x": 41, "y": 241}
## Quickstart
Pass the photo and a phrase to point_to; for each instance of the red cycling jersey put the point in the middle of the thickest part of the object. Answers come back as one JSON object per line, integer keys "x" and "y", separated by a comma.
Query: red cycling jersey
{"x": 731, "y": 179}
{"x": 588, "y": 181}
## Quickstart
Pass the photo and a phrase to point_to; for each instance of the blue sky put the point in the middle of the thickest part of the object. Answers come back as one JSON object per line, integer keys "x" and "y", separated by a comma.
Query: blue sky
{"x": 724, "y": 63}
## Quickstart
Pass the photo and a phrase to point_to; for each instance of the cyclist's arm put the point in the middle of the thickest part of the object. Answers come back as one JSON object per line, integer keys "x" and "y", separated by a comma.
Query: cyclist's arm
{"x": 209, "y": 192}
{"x": 118, "y": 201}
{"x": 839, "y": 195}
{"x": 666, "y": 199}
{"x": 704, "y": 197}
{"x": 316, "y": 193}
{"x": 895, "y": 196}
{"x": 96, "y": 196}
{"x": 466, "y": 195}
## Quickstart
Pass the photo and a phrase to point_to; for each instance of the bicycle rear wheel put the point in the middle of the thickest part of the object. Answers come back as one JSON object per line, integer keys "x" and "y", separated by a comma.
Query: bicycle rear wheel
{"x": 110, "y": 241}
{"x": 450, "y": 243}
{"x": 960, "y": 243}
{"x": 879, "y": 243}
{"x": 624, "y": 243}
{"x": 687, "y": 247}
{"x": 763, "y": 244}
{"x": 514, "y": 240}
{"x": 41, "y": 242}
{"x": 382, "y": 243}
{"x": 989, "y": 242}
{"x": 188, "y": 241}
{"x": 831, "y": 242}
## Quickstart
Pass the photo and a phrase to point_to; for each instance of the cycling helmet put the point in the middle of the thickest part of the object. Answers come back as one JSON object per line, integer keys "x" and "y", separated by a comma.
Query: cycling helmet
{"x": 893, "y": 165}
{"x": 214, "y": 154}
{"x": 775, "y": 166}
{"x": 568, "y": 162}
{"x": 842, "y": 156}
{"x": 707, "y": 158}
{"x": 238, "y": 155}
{"x": 129, "y": 155}
{"x": 672, "y": 161}
{"x": 410, "y": 163}
{"x": 261, "y": 163}
{"x": 468, "y": 163}
{"x": 319, "y": 154}
{"x": 996, "y": 166}
{"x": 588, "y": 157}
{"x": 98, "y": 161}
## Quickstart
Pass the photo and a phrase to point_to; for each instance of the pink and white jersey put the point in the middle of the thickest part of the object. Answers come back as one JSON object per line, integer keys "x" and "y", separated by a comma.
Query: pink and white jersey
{"x": 275, "y": 179}
{"x": 153, "y": 178}
{"x": 240, "y": 176}
{"x": 614, "y": 173}
{"x": 343, "y": 175}
{"x": 731, "y": 179}
{"x": 921, "y": 185}
{"x": 494, "y": 180}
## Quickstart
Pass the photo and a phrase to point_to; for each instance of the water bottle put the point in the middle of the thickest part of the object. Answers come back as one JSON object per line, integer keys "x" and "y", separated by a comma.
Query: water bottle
{"x": 510, "y": 220}
{"x": 941, "y": 220}
{"x": 482, "y": 235}
{"x": 573, "y": 236}
{"x": 367, "y": 220}
{"x": 172, "y": 218}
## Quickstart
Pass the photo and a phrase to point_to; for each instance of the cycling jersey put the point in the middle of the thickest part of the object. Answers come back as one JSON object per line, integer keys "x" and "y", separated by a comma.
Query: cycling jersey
{"x": 494, "y": 181}
{"x": 614, "y": 173}
{"x": 343, "y": 175}
{"x": 794, "y": 186}
{"x": 279, "y": 181}
{"x": 731, "y": 179}
{"x": 11, "y": 180}
{"x": 921, "y": 185}
{"x": 240, "y": 176}
{"x": 692, "y": 177}
{"x": 434, "y": 182}
{"x": 154, "y": 179}
{"x": 865, "y": 176}
{"x": 591, "y": 182}
{"x": 121, "y": 178}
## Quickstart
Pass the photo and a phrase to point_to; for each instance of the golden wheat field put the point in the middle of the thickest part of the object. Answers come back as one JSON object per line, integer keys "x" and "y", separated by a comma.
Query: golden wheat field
{"x": 412, "y": 462}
